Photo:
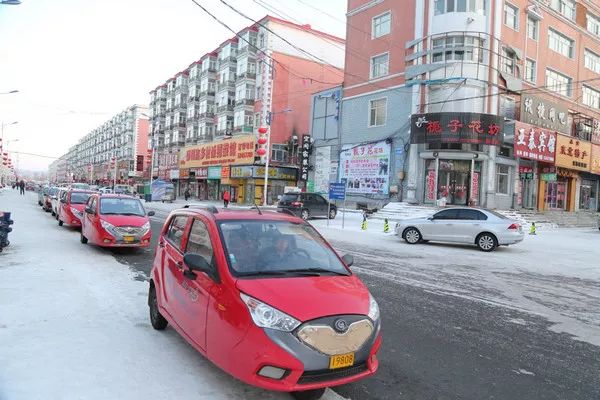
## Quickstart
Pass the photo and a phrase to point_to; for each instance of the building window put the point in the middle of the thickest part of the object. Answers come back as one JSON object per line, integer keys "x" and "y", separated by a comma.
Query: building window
{"x": 593, "y": 24}
{"x": 565, "y": 7}
{"x": 382, "y": 25}
{"x": 560, "y": 43}
{"x": 511, "y": 16}
{"x": 591, "y": 97}
{"x": 508, "y": 62}
{"x": 502, "y": 179}
{"x": 532, "y": 28}
{"x": 377, "y": 112}
{"x": 468, "y": 49}
{"x": 380, "y": 65}
{"x": 592, "y": 61}
{"x": 448, "y": 6}
{"x": 559, "y": 83}
{"x": 530, "y": 70}
{"x": 278, "y": 152}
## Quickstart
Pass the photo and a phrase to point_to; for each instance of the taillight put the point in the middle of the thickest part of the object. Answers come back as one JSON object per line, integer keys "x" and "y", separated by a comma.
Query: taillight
{"x": 514, "y": 227}
{"x": 297, "y": 203}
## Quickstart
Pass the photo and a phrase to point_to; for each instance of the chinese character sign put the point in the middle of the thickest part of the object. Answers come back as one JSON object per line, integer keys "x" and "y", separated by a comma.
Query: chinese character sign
{"x": 457, "y": 128}
{"x": 534, "y": 143}
{"x": 545, "y": 114}
{"x": 365, "y": 168}
{"x": 573, "y": 153}
{"x": 237, "y": 150}
{"x": 305, "y": 151}
{"x": 595, "y": 165}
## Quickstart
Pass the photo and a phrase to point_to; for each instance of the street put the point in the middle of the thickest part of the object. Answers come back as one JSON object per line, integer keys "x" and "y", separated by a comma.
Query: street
{"x": 457, "y": 323}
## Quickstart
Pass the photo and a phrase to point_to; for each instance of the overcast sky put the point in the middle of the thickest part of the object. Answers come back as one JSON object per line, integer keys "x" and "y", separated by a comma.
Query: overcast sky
{"x": 78, "y": 62}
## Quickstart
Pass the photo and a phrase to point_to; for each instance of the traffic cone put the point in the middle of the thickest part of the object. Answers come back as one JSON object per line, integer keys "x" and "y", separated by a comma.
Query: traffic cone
{"x": 363, "y": 226}
{"x": 532, "y": 229}
{"x": 386, "y": 226}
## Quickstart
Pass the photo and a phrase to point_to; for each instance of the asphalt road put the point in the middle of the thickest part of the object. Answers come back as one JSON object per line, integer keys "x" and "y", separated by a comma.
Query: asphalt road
{"x": 445, "y": 347}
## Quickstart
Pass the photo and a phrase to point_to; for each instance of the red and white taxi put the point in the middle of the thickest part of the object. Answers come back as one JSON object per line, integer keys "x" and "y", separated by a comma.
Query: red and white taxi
{"x": 71, "y": 206}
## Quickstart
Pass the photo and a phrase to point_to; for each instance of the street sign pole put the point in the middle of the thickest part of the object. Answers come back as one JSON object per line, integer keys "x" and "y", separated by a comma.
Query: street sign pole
{"x": 344, "y": 212}
{"x": 328, "y": 210}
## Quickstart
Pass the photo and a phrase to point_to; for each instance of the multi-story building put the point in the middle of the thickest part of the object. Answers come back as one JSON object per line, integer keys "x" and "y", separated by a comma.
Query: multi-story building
{"x": 487, "y": 102}
{"x": 254, "y": 78}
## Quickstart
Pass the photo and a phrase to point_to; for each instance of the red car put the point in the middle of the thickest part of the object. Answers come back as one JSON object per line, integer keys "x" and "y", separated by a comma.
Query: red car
{"x": 112, "y": 220}
{"x": 264, "y": 297}
{"x": 71, "y": 207}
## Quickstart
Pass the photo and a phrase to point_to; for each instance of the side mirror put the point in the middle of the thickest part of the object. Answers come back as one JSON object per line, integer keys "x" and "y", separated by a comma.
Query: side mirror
{"x": 195, "y": 262}
{"x": 89, "y": 210}
{"x": 63, "y": 201}
{"x": 151, "y": 213}
{"x": 430, "y": 218}
{"x": 348, "y": 259}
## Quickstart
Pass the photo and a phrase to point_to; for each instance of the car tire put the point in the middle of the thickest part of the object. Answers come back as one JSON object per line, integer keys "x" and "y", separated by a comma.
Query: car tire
{"x": 156, "y": 319}
{"x": 305, "y": 214}
{"x": 412, "y": 235}
{"x": 53, "y": 214}
{"x": 60, "y": 223}
{"x": 332, "y": 213}
{"x": 82, "y": 238}
{"x": 486, "y": 242}
{"x": 314, "y": 394}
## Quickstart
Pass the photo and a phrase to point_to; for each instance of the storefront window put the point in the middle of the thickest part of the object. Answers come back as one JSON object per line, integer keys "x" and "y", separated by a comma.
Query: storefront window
{"x": 502, "y": 179}
{"x": 588, "y": 195}
{"x": 556, "y": 195}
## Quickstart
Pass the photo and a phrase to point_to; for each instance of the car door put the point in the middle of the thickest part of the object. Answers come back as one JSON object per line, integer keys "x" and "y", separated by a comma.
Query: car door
{"x": 311, "y": 204}
{"x": 321, "y": 204}
{"x": 197, "y": 285}
{"x": 88, "y": 227}
{"x": 470, "y": 224}
{"x": 441, "y": 225}
{"x": 62, "y": 204}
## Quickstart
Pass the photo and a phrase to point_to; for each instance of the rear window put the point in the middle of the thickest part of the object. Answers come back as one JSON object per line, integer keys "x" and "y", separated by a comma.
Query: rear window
{"x": 471, "y": 215}
{"x": 80, "y": 197}
{"x": 494, "y": 213}
{"x": 290, "y": 197}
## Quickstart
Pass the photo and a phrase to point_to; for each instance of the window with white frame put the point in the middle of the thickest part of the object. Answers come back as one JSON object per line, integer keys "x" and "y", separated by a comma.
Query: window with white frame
{"x": 382, "y": 25}
{"x": 508, "y": 61}
{"x": 533, "y": 28}
{"x": 377, "y": 112}
{"x": 448, "y": 6}
{"x": 530, "y": 70}
{"x": 565, "y": 7}
{"x": 511, "y": 16}
{"x": 559, "y": 83}
{"x": 591, "y": 97}
{"x": 593, "y": 24}
{"x": 591, "y": 61}
{"x": 457, "y": 48}
{"x": 502, "y": 179}
{"x": 222, "y": 123}
{"x": 380, "y": 65}
{"x": 560, "y": 43}
{"x": 238, "y": 118}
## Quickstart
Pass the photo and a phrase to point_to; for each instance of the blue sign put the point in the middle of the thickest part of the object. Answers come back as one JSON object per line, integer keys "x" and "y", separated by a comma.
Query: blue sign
{"x": 337, "y": 191}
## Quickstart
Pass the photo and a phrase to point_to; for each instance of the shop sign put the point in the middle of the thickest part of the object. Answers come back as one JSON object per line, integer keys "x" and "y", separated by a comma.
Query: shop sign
{"x": 595, "y": 167}
{"x": 174, "y": 174}
{"x": 366, "y": 168}
{"x": 457, "y": 128}
{"x": 286, "y": 174}
{"x": 225, "y": 172}
{"x": 534, "y": 143}
{"x": 244, "y": 171}
{"x": 199, "y": 173}
{"x": 475, "y": 186}
{"x": 525, "y": 173}
{"x": 548, "y": 177}
{"x": 545, "y": 114}
{"x": 184, "y": 173}
{"x": 430, "y": 183}
{"x": 167, "y": 160}
{"x": 236, "y": 150}
{"x": 214, "y": 173}
{"x": 322, "y": 168}
{"x": 596, "y": 132}
{"x": 573, "y": 153}
{"x": 305, "y": 152}
{"x": 567, "y": 173}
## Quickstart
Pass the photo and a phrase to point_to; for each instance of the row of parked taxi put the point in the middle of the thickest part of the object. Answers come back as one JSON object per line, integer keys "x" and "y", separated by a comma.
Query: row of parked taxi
{"x": 105, "y": 219}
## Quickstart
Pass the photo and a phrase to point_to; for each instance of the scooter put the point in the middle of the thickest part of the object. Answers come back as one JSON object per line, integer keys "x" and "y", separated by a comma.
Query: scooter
{"x": 5, "y": 228}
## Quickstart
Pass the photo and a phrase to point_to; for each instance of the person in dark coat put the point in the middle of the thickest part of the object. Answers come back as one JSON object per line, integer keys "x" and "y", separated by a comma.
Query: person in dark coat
{"x": 22, "y": 186}
{"x": 186, "y": 193}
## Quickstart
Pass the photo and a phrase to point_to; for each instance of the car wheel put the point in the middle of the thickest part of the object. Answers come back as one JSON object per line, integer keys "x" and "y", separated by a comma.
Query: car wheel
{"x": 305, "y": 215}
{"x": 412, "y": 235}
{"x": 156, "y": 319}
{"x": 53, "y": 214}
{"x": 487, "y": 242}
{"x": 332, "y": 214}
{"x": 314, "y": 394}
{"x": 82, "y": 238}
{"x": 60, "y": 223}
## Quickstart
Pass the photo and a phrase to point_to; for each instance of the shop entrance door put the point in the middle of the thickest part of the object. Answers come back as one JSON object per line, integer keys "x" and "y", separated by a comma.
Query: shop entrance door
{"x": 454, "y": 186}
{"x": 556, "y": 195}
{"x": 585, "y": 195}
{"x": 528, "y": 193}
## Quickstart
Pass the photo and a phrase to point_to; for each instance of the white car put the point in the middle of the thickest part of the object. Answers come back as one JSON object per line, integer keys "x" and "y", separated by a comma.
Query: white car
{"x": 484, "y": 228}
{"x": 56, "y": 200}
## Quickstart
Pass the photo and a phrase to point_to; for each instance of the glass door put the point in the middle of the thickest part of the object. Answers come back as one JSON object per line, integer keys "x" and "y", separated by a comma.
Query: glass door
{"x": 585, "y": 195}
{"x": 556, "y": 195}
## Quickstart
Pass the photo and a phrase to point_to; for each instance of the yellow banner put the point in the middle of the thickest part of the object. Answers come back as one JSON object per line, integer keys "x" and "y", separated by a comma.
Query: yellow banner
{"x": 595, "y": 166}
{"x": 573, "y": 153}
{"x": 236, "y": 150}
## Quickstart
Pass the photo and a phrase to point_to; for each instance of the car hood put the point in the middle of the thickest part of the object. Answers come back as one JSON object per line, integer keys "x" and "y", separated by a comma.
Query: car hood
{"x": 307, "y": 298}
{"x": 125, "y": 220}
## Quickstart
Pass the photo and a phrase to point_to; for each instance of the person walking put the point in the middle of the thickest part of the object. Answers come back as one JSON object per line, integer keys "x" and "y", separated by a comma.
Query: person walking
{"x": 226, "y": 198}
{"x": 22, "y": 186}
{"x": 186, "y": 193}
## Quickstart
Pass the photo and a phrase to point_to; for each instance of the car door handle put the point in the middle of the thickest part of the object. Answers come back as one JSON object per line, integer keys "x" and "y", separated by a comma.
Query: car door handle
{"x": 161, "y": 244}
{"x": 179, "y": 264}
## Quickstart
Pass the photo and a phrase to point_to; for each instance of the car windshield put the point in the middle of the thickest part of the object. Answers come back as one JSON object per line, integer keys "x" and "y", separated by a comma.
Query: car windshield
{"x": 80, "y": 186}
{"x": 277, "y": 248}
{"x": 121, "y": 206}
{"x": 80, "y": 197}
{"x": 289, "y": 197}
{"x": 52, "y": 191}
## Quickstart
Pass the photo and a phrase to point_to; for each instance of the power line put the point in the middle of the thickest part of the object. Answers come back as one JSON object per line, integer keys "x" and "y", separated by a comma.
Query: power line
{"x": 33, "y": 154}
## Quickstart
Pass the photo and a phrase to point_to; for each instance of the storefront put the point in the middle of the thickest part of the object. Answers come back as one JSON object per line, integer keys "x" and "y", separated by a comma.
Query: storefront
{"x": 195, "y": 180}
{"x": 249, "y": 180}
{"x": 214, "y": 183}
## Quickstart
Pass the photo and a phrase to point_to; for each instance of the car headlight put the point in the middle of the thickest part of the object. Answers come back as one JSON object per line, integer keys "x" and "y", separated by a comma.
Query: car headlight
{"x": 76, "y": 212}
{"x": 266, "y": 316}
{"x": 146, "y": 227}
{"x": 373, "y": 308}
{"x": 107, "y": 226}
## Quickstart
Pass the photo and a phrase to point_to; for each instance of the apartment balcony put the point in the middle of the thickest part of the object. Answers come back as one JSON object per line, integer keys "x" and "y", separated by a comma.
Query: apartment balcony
{"x": 250, "y": 76}
{"x": 207, "y": 93}
{"x": 246, "y": 50}
{"x": 244, "y": 103}
{"x": 223, "y": 132}
{"x": 191, "y": 140}
{"x": 209, "y": 72}
{"x": 192, "y": 79}
{"x": 227, "y": 60}
{"x": 229, "y": 84}
{"x": 206, "y": 115}
{"x": 243, "y": 129}
{"x": 180, "y": 125}
{"x": 224, "y": 108}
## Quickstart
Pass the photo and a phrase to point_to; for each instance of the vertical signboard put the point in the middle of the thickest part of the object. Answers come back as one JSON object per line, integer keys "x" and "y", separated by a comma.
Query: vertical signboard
{"x": 305, "y": 157}
{"x": 322, "y": 168}
{"x": 366, "y": 168}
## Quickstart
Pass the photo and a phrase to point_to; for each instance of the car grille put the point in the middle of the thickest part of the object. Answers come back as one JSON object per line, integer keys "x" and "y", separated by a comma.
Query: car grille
{"x": 129, "y": 230}
{"x": 331, "y": 375}
{"x": 326, "y": 340}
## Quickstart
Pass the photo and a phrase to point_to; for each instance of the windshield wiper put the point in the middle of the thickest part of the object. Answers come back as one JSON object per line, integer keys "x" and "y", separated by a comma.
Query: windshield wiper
{"x": 261, "y": 273}
{"x": 318, "y": 270}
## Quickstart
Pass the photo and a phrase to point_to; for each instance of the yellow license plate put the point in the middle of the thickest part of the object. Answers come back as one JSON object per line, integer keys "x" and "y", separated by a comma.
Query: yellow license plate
{"x": 341, "y": 361}
{"x": 128, "y": 239}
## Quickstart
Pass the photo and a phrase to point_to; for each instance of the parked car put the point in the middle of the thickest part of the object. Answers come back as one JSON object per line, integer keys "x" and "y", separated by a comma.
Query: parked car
{"x": 264, "y": 297}
{"x": 48, "y": 197}
{"x": 78, "y": 185}
{"x": 42, "y": 191}
{"x": 307, "y": 205}
{"x": 55, "y": 200}
{"x": 105, "y": 190}
{"x": 113, "y": 220}
{"x": 484, "y": 228}
{"x": 72, "y": 206}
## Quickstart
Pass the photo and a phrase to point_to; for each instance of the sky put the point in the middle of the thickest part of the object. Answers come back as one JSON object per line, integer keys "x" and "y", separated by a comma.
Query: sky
{"x": 76, "y": 63}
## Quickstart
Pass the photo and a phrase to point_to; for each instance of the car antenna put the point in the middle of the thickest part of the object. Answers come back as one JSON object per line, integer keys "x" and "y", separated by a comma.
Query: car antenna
{"x": 257, "y": 209}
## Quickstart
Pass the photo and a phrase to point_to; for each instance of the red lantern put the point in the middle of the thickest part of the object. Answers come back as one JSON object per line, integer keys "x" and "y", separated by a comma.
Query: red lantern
{"x": 262, "y": 130}
{"x": 262, "y": 140}
{"x": 261, "y": 151}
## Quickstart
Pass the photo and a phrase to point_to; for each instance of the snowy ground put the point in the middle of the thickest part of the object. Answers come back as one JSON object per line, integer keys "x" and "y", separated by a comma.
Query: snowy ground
{"x": 74, "y": 325}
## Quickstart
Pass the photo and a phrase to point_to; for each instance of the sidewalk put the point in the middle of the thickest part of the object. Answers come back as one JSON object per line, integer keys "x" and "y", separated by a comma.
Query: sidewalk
{"x": 74, "y": 324}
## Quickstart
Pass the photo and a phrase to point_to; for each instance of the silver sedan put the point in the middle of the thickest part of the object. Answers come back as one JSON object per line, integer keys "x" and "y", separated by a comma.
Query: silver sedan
{"x": 484, "y": 228}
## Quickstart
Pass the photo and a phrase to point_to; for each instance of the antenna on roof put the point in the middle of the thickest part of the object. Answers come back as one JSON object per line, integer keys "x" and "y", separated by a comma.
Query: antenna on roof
{"x": 209, "y": 208}
{"x": 257, "y": 209}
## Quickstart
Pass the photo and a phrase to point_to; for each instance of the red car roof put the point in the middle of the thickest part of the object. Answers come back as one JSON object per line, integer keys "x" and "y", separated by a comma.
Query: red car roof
{"x": 223, "y": 214}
